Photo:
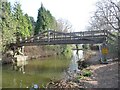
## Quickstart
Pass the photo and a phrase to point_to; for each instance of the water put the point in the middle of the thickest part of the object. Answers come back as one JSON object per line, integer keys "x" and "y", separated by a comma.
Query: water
{"x": 77, "y": 55}
{"x": 38, "y": 72}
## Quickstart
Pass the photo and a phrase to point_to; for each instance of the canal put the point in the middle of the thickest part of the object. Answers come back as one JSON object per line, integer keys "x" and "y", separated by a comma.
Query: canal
{"x": 39, "y": 71}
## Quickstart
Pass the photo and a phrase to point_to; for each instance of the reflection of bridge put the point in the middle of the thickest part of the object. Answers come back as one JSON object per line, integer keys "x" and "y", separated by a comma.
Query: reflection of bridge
{"x": 54, "y": 37}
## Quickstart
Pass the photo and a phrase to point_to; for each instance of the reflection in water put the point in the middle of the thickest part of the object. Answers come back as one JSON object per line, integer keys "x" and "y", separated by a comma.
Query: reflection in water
{"x": 77, "y": 55}
{"x": 39, "y": 72}
{"x": 19, "y": 66}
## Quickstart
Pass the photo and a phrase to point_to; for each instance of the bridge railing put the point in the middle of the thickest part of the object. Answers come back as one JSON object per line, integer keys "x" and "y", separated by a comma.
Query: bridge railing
{"x": 51, "y": 35}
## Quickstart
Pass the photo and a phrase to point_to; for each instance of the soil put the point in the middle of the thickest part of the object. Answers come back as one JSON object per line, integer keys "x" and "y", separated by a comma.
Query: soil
{"x": 34, "y": 52}
{"x": 103, "y": 75}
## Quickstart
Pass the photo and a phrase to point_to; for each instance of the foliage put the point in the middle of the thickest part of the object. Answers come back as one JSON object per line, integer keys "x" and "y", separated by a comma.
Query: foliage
{"x": 60, "y": 49}
{"x": 66, "y": 50}
{"x": 28, "y": 25}
{"x": 13, "y": 22}
{"x": 15, "y": 25}
{"x": 8, "y": 26}
{"x": 33, "y": 24}
{"x": 85, "y": 46}
{"x": 82, "y": 64}
{"x": 86, "y": 73}
{"x": 45, "y": 20}
{"x": 23, "y": 24}
{"x": 64, "y": 26}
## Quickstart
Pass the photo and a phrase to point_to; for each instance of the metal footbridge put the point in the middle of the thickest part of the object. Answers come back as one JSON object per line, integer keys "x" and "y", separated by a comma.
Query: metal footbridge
{"x": 52, "y": 37}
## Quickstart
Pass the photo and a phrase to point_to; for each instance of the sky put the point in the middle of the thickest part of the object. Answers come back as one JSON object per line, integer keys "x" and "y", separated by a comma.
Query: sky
{"x": 77, "y": 12}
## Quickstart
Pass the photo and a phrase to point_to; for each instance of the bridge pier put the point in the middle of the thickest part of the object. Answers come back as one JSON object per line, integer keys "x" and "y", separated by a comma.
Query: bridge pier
{"x": 19, "y": 50}
{"x": 22, "y": 49}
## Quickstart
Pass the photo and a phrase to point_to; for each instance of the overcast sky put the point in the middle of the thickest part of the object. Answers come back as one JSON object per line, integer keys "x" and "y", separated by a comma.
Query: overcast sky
{"x": 78, "y": 12}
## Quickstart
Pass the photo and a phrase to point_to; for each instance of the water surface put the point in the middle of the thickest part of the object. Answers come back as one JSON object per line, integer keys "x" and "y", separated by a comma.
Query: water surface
{"x": 39, "y": 71}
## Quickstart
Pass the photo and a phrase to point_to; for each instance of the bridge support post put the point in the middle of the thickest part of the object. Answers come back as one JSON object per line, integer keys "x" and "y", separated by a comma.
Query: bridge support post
{"x": 22, "y": 49}
{"x": 19, "y": 50}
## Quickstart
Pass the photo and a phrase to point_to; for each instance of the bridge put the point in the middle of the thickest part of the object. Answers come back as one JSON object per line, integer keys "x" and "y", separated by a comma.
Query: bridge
{"x": 51, "y": 37}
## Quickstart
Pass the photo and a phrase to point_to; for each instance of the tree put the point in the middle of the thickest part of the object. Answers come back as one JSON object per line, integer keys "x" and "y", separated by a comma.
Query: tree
{"x": 28, "y": 25}
{"x": 45, "y": 20}
{"x": 64, "y": 25}
{"x": 107, "y": 17}
{"x": 33, "y": 24}
{"x": 51, "y": 21}
{"x": 8, "y": 26}
{"x": 13, "y": 23}
{"x": 23, "y": 24}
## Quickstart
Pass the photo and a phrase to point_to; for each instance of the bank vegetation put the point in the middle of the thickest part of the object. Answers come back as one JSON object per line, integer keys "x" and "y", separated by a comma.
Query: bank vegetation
{"x": 16, "y": 25}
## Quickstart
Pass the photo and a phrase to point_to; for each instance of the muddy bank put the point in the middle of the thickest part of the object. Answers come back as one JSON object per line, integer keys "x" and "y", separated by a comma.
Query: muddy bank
{"x": 31, "y": 52}
{"x": 95, "y": 75}
{"x": 103, "y": 76}
{"x": 34, "y": 52}
{"x": 73, "y": 79}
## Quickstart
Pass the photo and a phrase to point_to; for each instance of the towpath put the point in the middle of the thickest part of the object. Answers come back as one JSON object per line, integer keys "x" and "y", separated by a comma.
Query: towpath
{"x": 103, "y": 75}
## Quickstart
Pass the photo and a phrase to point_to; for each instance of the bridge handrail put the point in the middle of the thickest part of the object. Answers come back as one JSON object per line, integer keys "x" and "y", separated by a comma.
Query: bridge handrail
{"x": 34, "y": 36}
{"x": 80, "y": 33}
{"x": 52, "y": 34}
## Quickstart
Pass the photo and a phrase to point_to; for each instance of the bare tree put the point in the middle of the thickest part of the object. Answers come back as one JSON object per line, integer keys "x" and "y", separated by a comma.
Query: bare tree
{"x": 64, "y": 25}
{"x": 107, "y": 15}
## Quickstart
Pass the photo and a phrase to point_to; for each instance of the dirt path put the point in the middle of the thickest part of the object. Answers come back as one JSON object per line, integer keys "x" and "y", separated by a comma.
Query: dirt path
{"x": 104, "y": 75}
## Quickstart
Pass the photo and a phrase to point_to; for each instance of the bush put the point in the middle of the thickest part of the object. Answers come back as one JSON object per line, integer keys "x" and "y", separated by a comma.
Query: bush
{"x": 87, "y": 73}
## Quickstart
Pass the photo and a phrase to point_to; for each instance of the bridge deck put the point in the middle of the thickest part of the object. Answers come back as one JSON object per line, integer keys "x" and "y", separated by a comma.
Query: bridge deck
{"x": 54, "y": 37}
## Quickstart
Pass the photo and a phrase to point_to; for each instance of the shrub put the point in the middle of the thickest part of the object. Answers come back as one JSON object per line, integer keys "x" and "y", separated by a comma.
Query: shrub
{"x": 87, "y": 73}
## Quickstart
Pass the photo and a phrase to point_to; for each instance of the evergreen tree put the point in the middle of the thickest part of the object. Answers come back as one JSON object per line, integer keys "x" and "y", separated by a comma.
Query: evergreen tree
{"x": 23, "y": 24}
{"x": 51, "y": 21}
{"x": 13, "y": 24}
{"x": 28, "y": 25}
{"x": 45, "y": 20}
{"x": 33, "y": 24}
{"x": 40, "y": 20}
{"x": 8, "y": 26}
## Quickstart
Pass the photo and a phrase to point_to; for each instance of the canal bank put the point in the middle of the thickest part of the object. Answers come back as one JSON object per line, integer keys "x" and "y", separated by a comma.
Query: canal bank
{"x": 95, "y": 75}
{"x": 74, "y": 76}
{"x": 103, "y": 75}
{"x": 45, "y": 70}
{"x": 36, "y": 52}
